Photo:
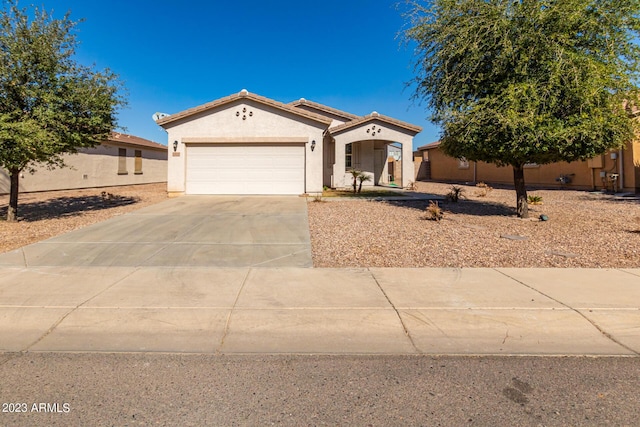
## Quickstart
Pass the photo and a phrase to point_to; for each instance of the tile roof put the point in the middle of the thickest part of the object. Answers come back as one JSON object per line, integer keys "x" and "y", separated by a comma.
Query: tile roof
{"x": 243, "y": 94}
{"x": 375, "y": 116}
{"x": 429, "y": 146}
{"x": 324, "y": 108}
{"x": 134, "y": 140}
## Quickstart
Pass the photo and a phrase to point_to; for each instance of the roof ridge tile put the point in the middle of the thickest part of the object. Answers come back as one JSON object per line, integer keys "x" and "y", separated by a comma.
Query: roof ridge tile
{"x": 134, "y": 140}
{"x": 376, "y": 116}
{"x": 324, "y": 108}
{"x": 244, "y": 94}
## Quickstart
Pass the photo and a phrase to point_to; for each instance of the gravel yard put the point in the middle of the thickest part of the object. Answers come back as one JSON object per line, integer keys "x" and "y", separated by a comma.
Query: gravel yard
{"x": 47, "y": 214}
{"x": 584, "y": 230}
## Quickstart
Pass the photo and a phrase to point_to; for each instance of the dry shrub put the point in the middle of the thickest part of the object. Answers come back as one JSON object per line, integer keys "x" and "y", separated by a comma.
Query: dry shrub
{"x": 434, "y": 212}
{"x": 483, "y": 189}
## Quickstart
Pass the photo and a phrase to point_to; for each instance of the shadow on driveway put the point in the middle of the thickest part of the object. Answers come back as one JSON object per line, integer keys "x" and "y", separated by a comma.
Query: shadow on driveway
{"x": 67, "y": 206}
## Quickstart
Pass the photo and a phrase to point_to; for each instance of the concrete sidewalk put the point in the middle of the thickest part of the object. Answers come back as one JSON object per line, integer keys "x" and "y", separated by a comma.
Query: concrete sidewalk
{"x": 331, "y": 311}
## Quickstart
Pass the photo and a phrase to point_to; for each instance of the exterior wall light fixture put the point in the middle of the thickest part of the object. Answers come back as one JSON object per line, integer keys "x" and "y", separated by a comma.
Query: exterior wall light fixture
{"x": 313, "y": 145}
{"x": 175, "y": 146}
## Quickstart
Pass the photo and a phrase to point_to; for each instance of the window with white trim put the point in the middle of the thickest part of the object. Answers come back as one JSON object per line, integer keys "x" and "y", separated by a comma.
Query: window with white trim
{"x": 348, "y": 156}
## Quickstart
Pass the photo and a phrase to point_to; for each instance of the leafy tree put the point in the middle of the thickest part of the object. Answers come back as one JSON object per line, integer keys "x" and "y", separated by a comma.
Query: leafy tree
{"x": 513, "y": 82}
{"x": 49, "y": 104}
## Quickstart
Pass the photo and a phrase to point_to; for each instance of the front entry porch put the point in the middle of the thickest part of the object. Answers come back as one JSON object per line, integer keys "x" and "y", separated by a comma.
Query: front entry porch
{"x": 380, "y": 160}
{"x": 378, "y": 146}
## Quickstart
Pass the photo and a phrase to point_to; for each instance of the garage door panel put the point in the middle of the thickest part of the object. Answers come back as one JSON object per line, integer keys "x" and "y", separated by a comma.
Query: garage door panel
{"x": 234, "y": 187}
{"x": 289, "y": 162}
{"x": 245, "y": 169}
{"x": 247, "y": 175}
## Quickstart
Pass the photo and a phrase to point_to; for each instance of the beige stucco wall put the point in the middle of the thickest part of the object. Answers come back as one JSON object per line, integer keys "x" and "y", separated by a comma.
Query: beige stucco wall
{"x": 93, "y": 167}
{"x": 260, "y": 121}
{"x": 632, "y": 166}
{"x": 445, "y": 168}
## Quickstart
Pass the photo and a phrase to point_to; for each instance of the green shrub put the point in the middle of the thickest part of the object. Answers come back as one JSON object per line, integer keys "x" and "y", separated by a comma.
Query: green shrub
{"x": 534, "y": 200}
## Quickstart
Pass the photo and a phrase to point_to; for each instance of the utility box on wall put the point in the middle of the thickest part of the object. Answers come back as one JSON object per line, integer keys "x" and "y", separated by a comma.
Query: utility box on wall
{"x": 596, "y": 163}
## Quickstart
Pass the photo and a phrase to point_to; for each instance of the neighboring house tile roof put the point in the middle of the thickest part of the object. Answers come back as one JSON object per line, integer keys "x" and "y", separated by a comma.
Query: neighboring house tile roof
{"x": 135, "y": 140}
{"x": 324, "y": 108}
{"x": 372, "y": 117}
{"x": 429, "y": 146}
{"x": 243, "y": 94}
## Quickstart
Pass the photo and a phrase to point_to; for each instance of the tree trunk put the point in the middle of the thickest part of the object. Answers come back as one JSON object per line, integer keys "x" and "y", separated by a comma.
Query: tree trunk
{"x": 522, "y": 209}
{"x": 12, "y": 211}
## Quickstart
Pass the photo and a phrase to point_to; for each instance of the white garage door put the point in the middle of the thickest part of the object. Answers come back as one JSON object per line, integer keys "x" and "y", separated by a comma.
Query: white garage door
{"x": 247, "y": 169}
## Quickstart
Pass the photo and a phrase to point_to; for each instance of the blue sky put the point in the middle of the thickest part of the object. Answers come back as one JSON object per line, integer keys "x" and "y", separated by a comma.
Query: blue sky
{"x": 176, "y": 55}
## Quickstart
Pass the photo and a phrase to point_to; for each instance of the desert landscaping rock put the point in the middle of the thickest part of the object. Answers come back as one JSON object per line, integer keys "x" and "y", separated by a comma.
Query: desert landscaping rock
{"x": 603, "y": 229}
{"x": 563, "y": 254}
{"x": 513, "y": 237}
{"x": 48, "y": 214}
{"x": 474, "y": 227}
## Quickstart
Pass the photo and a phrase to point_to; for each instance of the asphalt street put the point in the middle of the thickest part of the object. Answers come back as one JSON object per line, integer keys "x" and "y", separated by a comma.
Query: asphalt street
{"x": 294, "y": 390}
{"x": 205, "y": 311}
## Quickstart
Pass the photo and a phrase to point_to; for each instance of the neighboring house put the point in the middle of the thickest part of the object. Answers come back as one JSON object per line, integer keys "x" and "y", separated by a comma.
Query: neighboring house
{"x": 616, "y": 170}
{"x": 249, "y": 144}
{"x": 393, "y": 168}
{"x": 121, "y": 160}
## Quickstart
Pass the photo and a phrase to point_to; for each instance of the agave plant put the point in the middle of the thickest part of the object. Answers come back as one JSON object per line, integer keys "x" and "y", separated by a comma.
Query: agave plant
{"x": 455, "y": 194}
{"x": 534, "y": 200}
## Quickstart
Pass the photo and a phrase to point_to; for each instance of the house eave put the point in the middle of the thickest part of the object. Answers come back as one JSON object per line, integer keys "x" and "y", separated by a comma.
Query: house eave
{"x": 412, "y": 129}
{"x": 324, "y": 108}
{"x": 186, "y": 114}
{"x": 133, "y": 141}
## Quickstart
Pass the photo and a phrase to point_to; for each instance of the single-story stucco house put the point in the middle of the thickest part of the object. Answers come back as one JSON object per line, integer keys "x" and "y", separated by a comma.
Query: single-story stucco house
{"x": 120, "y": 160}
{"x": 617, "y": 170}
{"x": 248, "y": 144}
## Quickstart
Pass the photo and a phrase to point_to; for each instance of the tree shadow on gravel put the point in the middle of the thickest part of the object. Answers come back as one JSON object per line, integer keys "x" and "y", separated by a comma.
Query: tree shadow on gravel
{"x": 62, "y": 207}
{"x": 464, "y": 207}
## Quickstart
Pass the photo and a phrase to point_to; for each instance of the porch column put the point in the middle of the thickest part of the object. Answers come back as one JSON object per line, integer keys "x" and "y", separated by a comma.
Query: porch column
{"x": 407, "y": 162}
{"x": 338, "y": 165}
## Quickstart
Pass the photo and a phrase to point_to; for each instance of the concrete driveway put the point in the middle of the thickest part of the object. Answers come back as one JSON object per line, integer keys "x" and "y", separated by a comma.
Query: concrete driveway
{"x": 211, "y": 231}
